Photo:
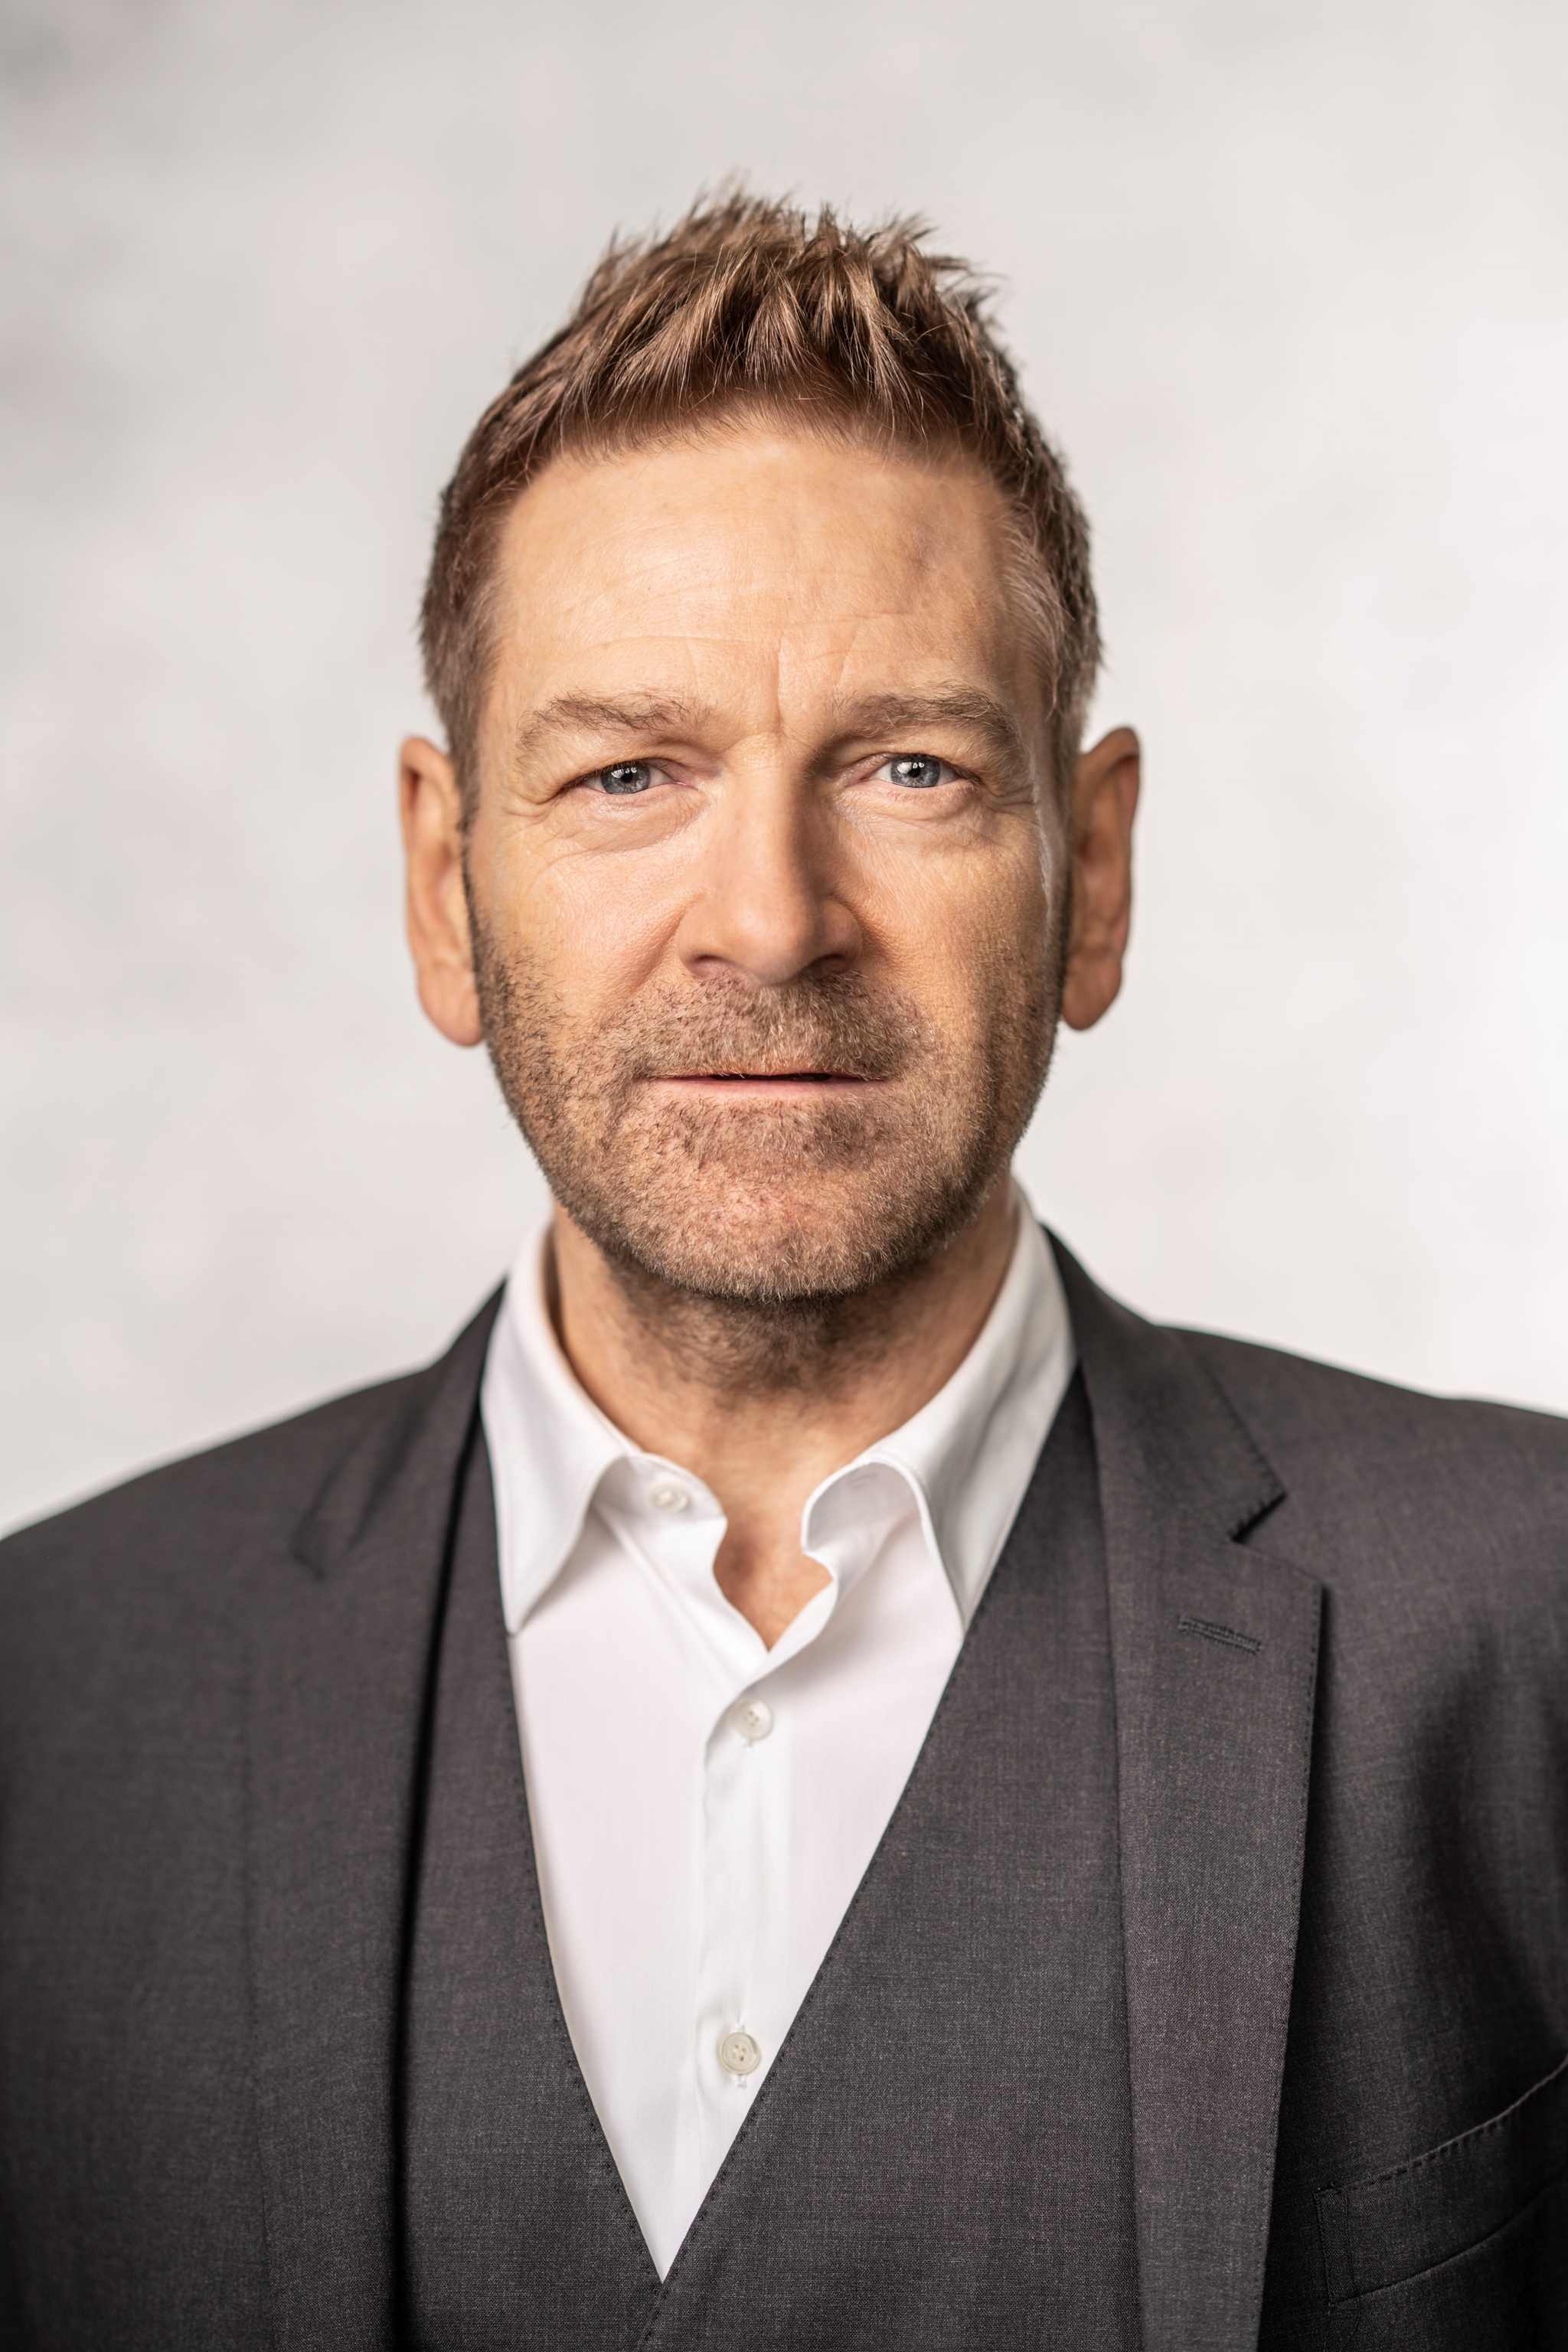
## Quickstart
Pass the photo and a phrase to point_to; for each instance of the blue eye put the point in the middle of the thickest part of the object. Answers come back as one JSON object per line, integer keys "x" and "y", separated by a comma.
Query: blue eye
{"x": 625, "y": 776}
{"x": 918, "y": 771}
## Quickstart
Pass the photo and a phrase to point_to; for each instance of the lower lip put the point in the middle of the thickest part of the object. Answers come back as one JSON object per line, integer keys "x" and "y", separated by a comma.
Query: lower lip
{"x": 781, "y": 1089}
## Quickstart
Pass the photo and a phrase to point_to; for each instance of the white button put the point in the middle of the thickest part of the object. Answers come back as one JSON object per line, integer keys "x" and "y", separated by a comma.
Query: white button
{"x": 751, "y": 1717}
{"x": 668, "y": 1495}
{"x": 739, "y": 2054}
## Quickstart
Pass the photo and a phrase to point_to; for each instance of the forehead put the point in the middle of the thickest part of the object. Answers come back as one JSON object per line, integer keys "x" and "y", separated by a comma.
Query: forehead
{"x": 756, "y": 564}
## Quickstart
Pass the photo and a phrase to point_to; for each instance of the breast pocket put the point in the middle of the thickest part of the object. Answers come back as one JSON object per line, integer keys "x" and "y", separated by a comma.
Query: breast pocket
{"x": 1465, "y": 2246}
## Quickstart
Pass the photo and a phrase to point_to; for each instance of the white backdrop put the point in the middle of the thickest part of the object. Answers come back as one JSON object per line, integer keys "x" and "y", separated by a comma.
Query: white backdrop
{"x": 1290, "y": 286}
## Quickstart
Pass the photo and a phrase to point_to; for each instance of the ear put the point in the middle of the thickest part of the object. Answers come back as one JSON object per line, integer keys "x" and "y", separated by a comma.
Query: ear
{"x": 1105, "y": 798}
{"x": 436, "y": 905}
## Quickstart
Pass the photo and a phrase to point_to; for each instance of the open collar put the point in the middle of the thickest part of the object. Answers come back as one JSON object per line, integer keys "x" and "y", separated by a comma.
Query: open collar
{"x": 965, "y": 1458}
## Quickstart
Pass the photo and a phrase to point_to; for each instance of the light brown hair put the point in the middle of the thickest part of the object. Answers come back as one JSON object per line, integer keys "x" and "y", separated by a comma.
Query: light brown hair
{"x": 746, "y": 305}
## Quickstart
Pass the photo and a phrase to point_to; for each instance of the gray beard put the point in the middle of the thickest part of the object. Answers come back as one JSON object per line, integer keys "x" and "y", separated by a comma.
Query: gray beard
{"x": 684, "y": 1200}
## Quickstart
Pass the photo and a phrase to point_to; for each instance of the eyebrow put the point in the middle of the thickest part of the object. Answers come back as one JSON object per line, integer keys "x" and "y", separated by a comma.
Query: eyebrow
{"x": 877, "y": 717}
{"x": 584, "y": 714}
{"x": 882, "y": 716}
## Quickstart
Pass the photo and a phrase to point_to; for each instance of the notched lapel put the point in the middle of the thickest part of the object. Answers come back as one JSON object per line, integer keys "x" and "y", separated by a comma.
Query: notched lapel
{"x": 1214, "y": 1646}
{"x": 341, "y": 1654}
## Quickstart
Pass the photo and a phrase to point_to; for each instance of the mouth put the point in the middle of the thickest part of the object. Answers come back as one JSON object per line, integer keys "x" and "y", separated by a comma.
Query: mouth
{"x": 752, "y": 1085}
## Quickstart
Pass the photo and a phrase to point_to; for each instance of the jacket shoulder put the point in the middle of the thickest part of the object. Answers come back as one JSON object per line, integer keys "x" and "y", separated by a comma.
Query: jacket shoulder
{"x": 1356, "y": 1453}
{"x": 244, "y": 1490}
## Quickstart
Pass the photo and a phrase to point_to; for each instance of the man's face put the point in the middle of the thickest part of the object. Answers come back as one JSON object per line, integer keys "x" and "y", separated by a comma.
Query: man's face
{"x": 766, "y": 883}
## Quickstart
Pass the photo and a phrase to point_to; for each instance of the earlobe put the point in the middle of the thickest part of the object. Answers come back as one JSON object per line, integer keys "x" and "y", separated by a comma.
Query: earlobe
{"x": 435, "y": 905}
{"x": 1105, "y": 801}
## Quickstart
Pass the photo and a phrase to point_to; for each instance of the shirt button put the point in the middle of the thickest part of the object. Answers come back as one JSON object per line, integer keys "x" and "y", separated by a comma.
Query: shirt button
{"x": 751, "y": 1717}
{"x": 668, "y": 1495}
{"x": 739, "y": 2054}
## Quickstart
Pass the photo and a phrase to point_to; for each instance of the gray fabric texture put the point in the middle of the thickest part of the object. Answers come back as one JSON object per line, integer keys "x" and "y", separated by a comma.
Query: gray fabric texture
{"x": 1338, "y": 1636}
{"x": 516, "y": 2228}
{"x": 940, "y": 2155}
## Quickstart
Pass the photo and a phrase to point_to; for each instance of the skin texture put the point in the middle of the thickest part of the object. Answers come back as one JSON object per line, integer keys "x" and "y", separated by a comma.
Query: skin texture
{"x": 775, "y": 1013}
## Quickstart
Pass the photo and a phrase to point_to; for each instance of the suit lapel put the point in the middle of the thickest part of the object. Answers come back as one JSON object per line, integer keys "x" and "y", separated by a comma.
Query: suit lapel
{"x": 1214, "y": 1650}
{"x": 341, "y": 1661}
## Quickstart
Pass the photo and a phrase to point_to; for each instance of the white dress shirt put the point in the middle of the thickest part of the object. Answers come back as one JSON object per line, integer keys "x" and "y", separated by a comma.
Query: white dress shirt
{"x": 704, "y": 1807}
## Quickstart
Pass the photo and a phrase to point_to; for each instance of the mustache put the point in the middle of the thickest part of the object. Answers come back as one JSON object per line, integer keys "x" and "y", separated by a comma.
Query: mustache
{"x": 839, "y": 1025}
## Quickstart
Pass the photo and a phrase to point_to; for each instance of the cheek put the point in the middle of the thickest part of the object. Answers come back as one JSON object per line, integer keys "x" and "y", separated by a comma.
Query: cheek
{"x": 593, "y": 928}
{"x": 961, "y": 931}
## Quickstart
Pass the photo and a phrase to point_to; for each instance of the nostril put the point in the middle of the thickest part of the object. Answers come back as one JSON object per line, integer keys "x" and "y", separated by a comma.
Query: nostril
{"x": 769, "y": 934}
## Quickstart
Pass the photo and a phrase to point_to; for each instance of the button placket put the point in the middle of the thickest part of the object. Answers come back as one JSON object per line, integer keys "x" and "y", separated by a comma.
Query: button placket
{"x": 745, "y": 1869}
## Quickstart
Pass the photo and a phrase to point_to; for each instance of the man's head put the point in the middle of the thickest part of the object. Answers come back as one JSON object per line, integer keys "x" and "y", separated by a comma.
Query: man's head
{"x": 761, "y": 622}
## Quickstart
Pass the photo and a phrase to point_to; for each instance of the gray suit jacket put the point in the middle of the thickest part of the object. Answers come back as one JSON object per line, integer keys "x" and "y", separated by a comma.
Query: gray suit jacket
{"x": 1338, "y": 1621}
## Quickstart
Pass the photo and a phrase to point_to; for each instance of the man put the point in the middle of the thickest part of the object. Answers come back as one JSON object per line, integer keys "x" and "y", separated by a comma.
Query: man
{"x": 815, "y": 1782}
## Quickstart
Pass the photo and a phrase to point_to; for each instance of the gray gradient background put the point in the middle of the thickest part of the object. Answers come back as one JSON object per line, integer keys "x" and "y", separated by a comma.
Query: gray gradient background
{"x": 1289, "y": 286}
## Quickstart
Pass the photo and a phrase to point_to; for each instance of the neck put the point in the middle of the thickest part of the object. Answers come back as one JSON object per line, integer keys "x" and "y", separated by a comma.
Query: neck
{"x": 764, "y": 1403}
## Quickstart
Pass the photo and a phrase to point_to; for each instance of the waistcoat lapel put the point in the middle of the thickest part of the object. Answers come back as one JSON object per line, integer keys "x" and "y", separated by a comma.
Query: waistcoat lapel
{"x": 940, "y": 2156}
{"x": 518, "y": 2231}
{"x": 340, "y": 1675}
{"x": 1216, "y": 1659}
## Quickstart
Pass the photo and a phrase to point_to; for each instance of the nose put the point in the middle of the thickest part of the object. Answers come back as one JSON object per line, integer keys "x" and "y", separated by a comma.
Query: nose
{"x": 766, "y": 904}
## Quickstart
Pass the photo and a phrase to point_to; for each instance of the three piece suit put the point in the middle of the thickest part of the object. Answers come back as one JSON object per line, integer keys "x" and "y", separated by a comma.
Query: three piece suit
{"x": 1209, "y": 1987}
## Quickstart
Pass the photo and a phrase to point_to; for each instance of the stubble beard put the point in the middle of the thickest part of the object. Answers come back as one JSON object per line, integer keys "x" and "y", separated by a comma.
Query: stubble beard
{"x": 770, "y": 1241}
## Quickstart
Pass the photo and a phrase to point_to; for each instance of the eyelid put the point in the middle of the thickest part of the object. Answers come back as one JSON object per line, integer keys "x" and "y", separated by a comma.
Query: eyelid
{"x": 660, "y": 769}
{"x": 957, "y": 772}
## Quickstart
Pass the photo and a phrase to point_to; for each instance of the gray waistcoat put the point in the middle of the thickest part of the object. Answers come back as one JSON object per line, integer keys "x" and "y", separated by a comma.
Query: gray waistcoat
{"x": 942, "y": 2154}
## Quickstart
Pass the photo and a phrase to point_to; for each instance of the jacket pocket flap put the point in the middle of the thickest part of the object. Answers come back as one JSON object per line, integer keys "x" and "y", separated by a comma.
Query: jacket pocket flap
{"x": 1378, "y": 2231}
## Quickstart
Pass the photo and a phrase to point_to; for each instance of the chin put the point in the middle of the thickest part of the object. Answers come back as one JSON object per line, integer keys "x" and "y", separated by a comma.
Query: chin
{"x": 803, "y": 1246}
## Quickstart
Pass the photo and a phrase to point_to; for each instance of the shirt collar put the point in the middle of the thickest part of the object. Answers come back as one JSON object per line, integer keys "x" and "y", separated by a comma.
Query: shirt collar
{"x": 966, "y": 1457}
{"x": 970, "y": 1453}
{"x": 549, "y": 1444}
